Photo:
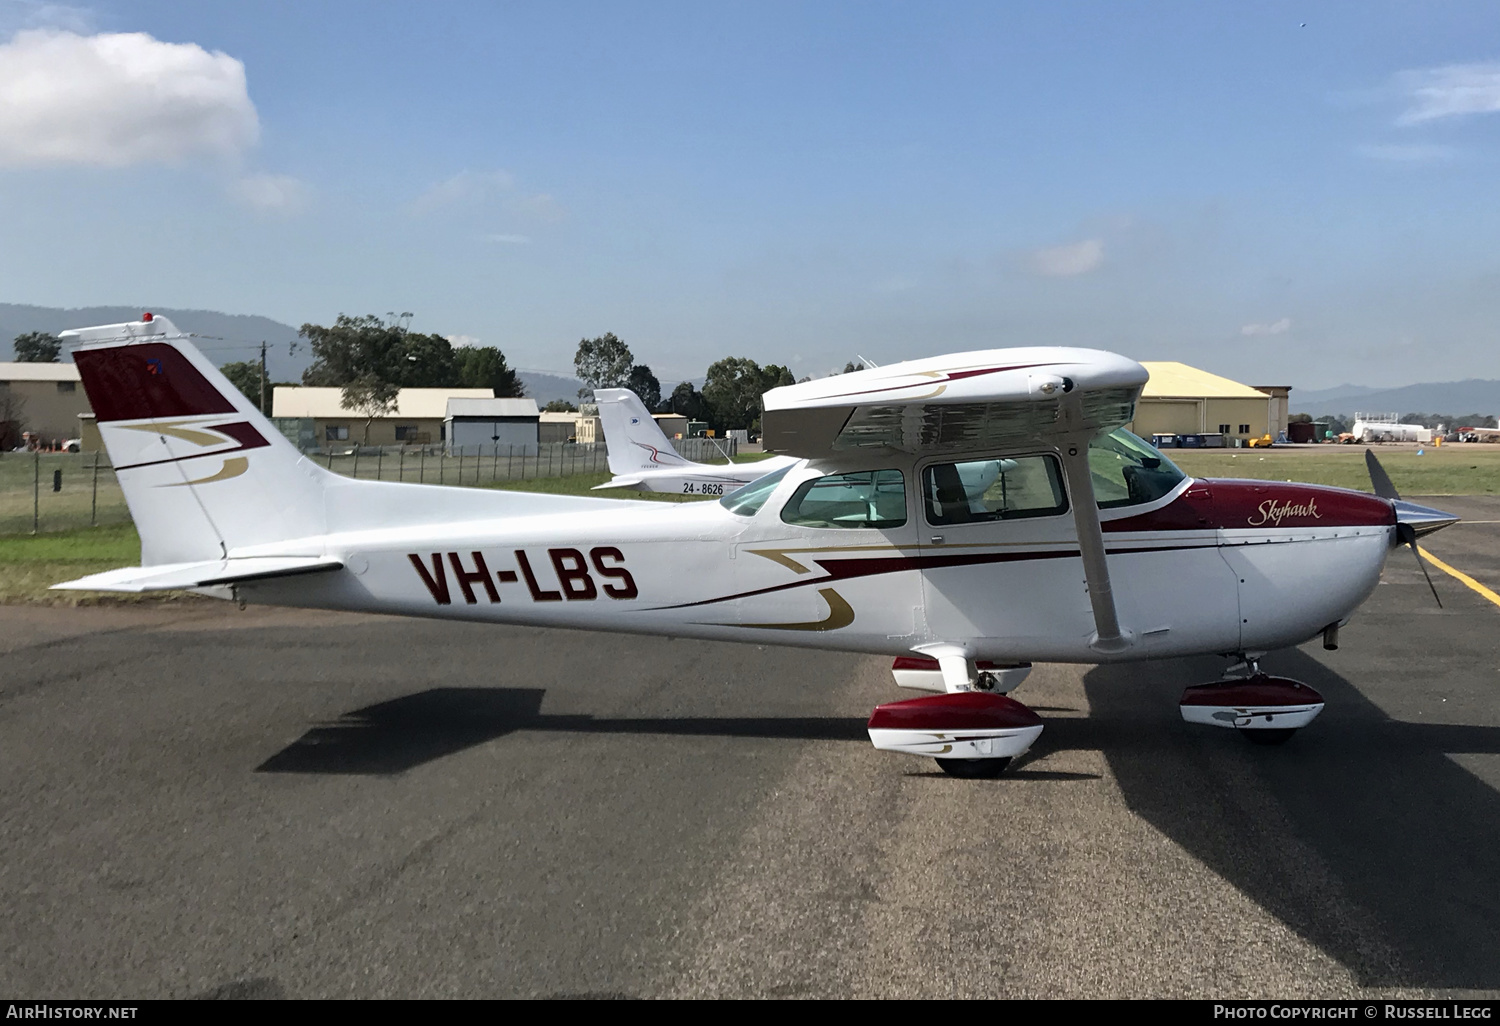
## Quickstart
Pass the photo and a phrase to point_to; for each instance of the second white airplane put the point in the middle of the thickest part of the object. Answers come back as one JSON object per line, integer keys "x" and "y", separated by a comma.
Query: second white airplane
{"x": 642, "y": 457}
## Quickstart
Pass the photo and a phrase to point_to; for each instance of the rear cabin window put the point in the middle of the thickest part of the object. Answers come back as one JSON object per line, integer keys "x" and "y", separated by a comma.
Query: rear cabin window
{"x": 1127, "y": 472}
{"x": 980, "y": 491}
{"x": 871, "y": 498}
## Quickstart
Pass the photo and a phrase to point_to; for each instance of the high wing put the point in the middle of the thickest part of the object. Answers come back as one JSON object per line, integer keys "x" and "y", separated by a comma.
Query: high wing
{"x": 1053, "y": 398}
{"x": 953, "y": 404}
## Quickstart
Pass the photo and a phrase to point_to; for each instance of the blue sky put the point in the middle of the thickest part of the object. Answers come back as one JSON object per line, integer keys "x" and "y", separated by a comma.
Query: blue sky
{"x": 1293, "y": 193}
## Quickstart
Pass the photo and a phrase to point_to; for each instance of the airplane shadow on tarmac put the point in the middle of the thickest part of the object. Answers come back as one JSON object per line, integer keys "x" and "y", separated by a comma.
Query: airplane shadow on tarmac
{"x": 1405, "y": 844}
{"x": 1359, "y": 833}
{"x": 406, "y": 732}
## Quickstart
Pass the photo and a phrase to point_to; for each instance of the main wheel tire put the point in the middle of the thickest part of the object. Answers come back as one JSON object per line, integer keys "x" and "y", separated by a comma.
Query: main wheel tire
{"x": 973, "y": 769}
{"x": 1267, "y": 735}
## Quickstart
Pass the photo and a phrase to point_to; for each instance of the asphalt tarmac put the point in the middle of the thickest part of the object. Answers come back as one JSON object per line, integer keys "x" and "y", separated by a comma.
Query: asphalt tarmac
{"x": 199, "y": 801}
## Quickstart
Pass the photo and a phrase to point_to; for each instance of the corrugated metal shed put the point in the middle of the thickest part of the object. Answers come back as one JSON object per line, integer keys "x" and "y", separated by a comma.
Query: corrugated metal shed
{"x": 462, "y": 407}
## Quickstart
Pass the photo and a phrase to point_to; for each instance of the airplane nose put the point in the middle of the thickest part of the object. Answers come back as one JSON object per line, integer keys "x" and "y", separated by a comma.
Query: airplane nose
{"x": 1422, "y": 519}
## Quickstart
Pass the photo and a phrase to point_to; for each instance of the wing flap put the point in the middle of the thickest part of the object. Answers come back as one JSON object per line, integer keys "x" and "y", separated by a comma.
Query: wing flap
{"x": 179, "y": 576}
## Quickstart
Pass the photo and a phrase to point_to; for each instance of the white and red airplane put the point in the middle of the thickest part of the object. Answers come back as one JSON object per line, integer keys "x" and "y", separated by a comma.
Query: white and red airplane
{"x": 642, "y": 457}
{"x": 966, "y": 514}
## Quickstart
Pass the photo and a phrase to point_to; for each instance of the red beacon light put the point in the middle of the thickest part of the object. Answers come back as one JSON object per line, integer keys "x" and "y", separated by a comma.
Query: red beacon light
{"x": 146, "y": 317}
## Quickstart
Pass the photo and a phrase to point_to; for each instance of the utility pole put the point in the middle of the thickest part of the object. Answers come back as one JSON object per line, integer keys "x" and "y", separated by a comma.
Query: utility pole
{"x": 263, "y": 376}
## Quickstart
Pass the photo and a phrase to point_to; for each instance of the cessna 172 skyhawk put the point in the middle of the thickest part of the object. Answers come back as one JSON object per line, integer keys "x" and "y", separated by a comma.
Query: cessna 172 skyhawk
{"x": 966, "y": 514}
{"x": 642, "y": 457}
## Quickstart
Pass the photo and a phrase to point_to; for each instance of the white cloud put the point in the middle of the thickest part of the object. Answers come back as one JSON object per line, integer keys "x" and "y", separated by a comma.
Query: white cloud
{"x": 38, "y": 14}
{"x": 541, "y": 207}
{"x": 270, "y": 193}
{"x": 1280, "y": 327}
{"x": 464, "y": 187}
{"x": 1066, "y": 261}
{"x": 119, "y": 98}
{"x": 462, "y": 341}
{"x": 1449, "y": 91}
{"x": 1413, "y": 153}
{"x": 518, "y": 240}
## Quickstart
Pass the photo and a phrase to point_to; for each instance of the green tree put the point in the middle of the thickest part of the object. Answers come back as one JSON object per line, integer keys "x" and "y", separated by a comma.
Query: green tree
{"x": 603, "y": 362}
{"x": 559, "y": 406}
{"x": 774, "y": 376}
{"x": 485, "y": 367}
{"x": 732, "y": 392}
{"x": 733, "y": 389}
{"x": 687, "y": 401}
{"x": 371, "y": 360}
{"x": 37, "y": 347}
{"x": 246, "y": 377}
{"x": 644, "y": 384}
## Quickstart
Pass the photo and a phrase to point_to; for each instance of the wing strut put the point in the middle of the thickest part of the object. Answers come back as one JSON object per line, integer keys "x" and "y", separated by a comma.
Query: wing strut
{"x": 1108, "y": 637}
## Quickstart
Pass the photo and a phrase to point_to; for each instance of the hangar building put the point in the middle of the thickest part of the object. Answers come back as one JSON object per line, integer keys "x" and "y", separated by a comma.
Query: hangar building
{"x": 1183, "y": 400}
{"x": 43, "y": 398}
{"x": 488, "y": 423}
{"x": 315, "y": 418}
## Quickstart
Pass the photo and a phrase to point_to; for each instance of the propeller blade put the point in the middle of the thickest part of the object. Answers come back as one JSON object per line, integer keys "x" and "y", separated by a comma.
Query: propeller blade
{"x": 1409, "y": 536}
{"x": 1379, "y": 478}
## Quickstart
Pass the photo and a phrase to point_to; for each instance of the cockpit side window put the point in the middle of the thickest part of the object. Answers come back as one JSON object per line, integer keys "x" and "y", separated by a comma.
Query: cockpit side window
{"x": 999, "y": 489}
{"x": 869, "y": 498}
{"x": 1127, "y": 471}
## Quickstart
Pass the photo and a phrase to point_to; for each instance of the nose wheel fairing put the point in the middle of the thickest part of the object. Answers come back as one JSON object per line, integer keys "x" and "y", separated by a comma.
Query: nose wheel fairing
{"x": 1257, "y": 703}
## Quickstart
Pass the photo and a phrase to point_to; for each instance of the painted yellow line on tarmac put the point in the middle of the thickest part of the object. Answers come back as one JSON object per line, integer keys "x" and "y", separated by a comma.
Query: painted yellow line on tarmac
{"x": 1462, "y": 577}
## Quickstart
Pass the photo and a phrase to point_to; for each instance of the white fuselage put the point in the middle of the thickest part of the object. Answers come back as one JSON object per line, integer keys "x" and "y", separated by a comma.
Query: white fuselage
{"x": 1010, "y": 590}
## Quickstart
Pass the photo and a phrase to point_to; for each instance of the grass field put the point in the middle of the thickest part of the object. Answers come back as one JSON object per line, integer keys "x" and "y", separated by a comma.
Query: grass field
{"x": 30, "y": 564}
{"x": 1472, "y": 469}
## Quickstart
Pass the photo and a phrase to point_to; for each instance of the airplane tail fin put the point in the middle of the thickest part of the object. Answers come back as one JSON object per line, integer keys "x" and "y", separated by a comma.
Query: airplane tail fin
{"x": 203, "y": 472}
{"x": 636, "y": 442}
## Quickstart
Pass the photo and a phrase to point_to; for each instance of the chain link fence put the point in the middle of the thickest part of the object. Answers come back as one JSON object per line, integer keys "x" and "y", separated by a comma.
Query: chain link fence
{"x": 58, "y": 491}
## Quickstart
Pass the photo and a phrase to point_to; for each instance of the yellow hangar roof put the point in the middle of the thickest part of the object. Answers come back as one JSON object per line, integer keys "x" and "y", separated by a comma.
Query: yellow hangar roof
{"x": 1172, "y": 380}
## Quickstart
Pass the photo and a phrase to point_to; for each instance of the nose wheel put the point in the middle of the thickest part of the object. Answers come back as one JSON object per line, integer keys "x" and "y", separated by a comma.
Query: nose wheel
{"x": 1268, "y": 736}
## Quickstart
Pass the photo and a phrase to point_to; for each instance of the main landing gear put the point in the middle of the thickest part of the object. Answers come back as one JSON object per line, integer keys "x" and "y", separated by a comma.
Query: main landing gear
{"x": 1265, "y": 710}
{"x": 971, "y": 731}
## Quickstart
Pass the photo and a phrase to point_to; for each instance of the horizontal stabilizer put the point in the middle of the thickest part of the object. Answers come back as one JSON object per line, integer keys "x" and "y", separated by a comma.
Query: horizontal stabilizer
{"x": 176, "y": 576}
{"x": 619, "y": 482}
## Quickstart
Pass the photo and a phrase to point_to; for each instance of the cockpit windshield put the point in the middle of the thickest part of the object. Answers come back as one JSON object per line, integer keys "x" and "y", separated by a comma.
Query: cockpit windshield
{"x": 1127, "y": 471}
{"x": 748, "y": 500}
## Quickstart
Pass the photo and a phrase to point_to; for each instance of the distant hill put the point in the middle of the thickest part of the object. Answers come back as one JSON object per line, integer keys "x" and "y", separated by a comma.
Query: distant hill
{"x": 1452, "y": 397}
{"x": 546, "y": 387}
{"x": 228, "y": 338}
{"x": 1313, "y": 396}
